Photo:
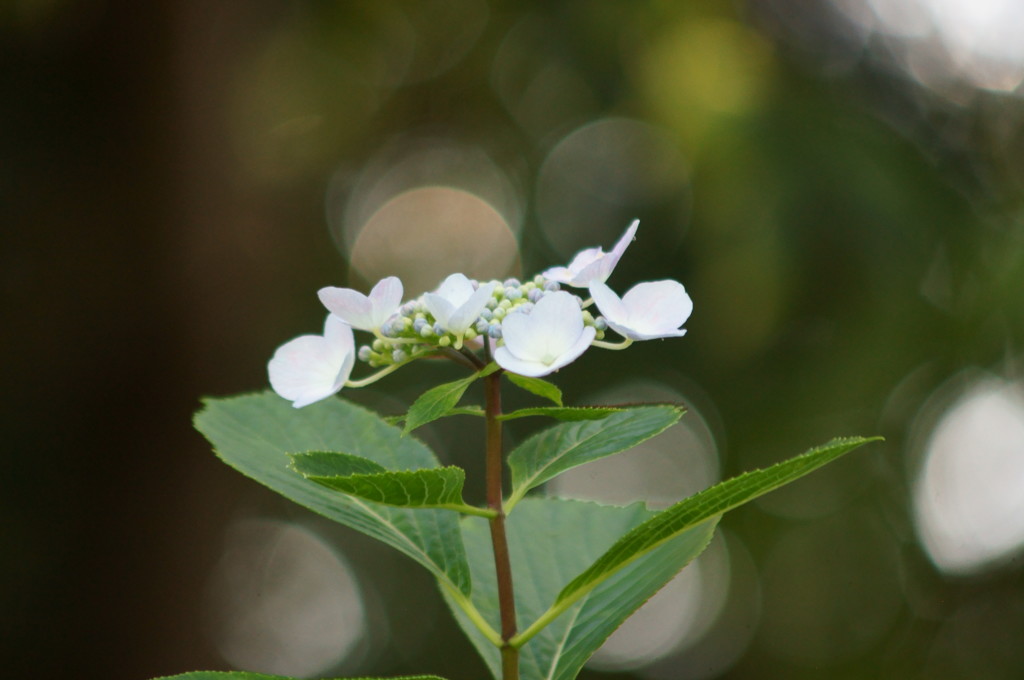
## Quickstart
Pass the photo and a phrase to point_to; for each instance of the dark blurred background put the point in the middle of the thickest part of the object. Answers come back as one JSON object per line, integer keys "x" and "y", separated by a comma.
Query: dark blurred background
{"x": 838, "y": 183}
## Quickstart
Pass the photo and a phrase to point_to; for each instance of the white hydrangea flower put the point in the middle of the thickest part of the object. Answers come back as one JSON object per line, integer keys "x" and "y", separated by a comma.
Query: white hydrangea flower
{"x": 456, "y": 305}
{"x": 592, "y": 264}
{"x": 366, "y": 313}
{"x": 654, "y": 309}
{"x": 550, "y": 336}
{"x": 313, "y": 367}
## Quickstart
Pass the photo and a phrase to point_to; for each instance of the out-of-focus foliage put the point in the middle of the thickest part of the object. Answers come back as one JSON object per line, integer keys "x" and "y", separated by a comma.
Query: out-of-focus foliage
{"x": 838, "y": 183}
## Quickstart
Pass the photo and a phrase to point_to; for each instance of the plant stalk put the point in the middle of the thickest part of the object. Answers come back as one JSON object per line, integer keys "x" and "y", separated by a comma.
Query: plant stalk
{"x": 502, "y": 562}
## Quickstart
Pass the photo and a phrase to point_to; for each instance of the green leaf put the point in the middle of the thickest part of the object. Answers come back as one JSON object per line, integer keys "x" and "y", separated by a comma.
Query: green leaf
{"x": 564, "y": 412}
{"x": 567, "y": 445}
{"x": 333, "y": 464}
{"x": 244, "y": 675}
{"x": 431, "y": 488}
{"x": 544, "y": 559}
{"x": 699, "y": 508}
{"x": 542, "y": 388}
{"x": 437, "y": 402}
{"x": 255, "y": 433}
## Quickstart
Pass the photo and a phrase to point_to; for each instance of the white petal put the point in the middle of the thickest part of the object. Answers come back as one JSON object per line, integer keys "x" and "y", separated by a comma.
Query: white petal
{"x": 338, "y": 335}
{"x": 456, "y": 289}
{"x": 576, "y": 349}
{"x": 534, "y": 368}
{"x": 608, "y": 303}
{"x": 557, "y": 321}
{"x": 600, "y": 271}
{"x": 439, "y": 308}
{"x": 350, "y": 305}
{"x": 624, "y": 242}
{"x": 585, "y": 258}
{"x": 657, "y": 308}
{"x": 466, "y": 315}
{"x": 521, "y": 341}
{"x": 559, "y": 274}
{"x": 512, "y": 363}
{"x": 385, "y": 299}
{"x": 312, "y": 367}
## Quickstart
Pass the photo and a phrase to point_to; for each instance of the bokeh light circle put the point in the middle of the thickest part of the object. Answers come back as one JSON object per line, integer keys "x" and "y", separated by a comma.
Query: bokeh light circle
{"x": 425, "y": 234}
{"x": 969, "y": 490}
{"x": 601, "y": 176}
{"x": 281, "y": 601}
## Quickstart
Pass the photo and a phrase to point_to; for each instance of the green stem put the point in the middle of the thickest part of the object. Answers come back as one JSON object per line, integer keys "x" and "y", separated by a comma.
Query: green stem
{"x": 610, "y": 345}
{"x": 499, "y": 540}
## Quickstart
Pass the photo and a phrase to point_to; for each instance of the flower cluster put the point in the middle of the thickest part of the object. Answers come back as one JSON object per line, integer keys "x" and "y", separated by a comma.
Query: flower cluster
{"x": 532, "y": 328}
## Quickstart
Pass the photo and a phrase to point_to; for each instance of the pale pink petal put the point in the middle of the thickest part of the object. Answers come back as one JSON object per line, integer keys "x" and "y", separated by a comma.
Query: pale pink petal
{"x": 649, "y": 310}
{"x": 658, "y": 306}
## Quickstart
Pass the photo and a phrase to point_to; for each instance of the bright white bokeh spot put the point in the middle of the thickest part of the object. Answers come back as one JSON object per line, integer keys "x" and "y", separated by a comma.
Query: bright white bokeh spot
{"x": 282, "y": 602}
{"x": 938, "y": 42}
{"x": 969, "y": 494}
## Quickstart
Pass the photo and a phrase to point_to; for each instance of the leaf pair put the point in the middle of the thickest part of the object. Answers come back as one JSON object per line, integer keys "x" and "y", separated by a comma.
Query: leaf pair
{"x": 441, "y": 401}
{"x": 580, "y": 568}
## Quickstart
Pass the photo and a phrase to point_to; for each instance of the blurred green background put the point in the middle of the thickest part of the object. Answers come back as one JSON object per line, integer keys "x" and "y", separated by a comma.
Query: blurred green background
{"x": 838, "y": 183}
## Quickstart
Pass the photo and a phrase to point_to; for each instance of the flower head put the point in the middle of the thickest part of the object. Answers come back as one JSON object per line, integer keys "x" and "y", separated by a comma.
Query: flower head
{"x": 592, "y": 264}
{"x": 550, "y": 336}
{"x": 366, "y": 313}
{"x": 654, "y": 309}
{"x": 456, "y": 304}
{"x": 313, "y": 367}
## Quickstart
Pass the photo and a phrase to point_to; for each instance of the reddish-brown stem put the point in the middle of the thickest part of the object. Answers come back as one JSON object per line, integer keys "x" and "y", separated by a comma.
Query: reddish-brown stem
{"x": 502, "y": 562}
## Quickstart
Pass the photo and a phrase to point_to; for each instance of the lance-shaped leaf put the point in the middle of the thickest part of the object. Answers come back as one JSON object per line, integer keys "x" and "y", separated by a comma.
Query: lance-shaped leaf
{"x": 567, "y": 445}
{"x": 550, "y": 540}
{"x": 356, "y": 476}
{"x": 563, "y": 412}
{"x": 245, "y": 675}
{"x": 695, "y": 510}
{"x": 542, "y": 388}
{"x": 437, "y": 402}
{"x": 255, "y": 433}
